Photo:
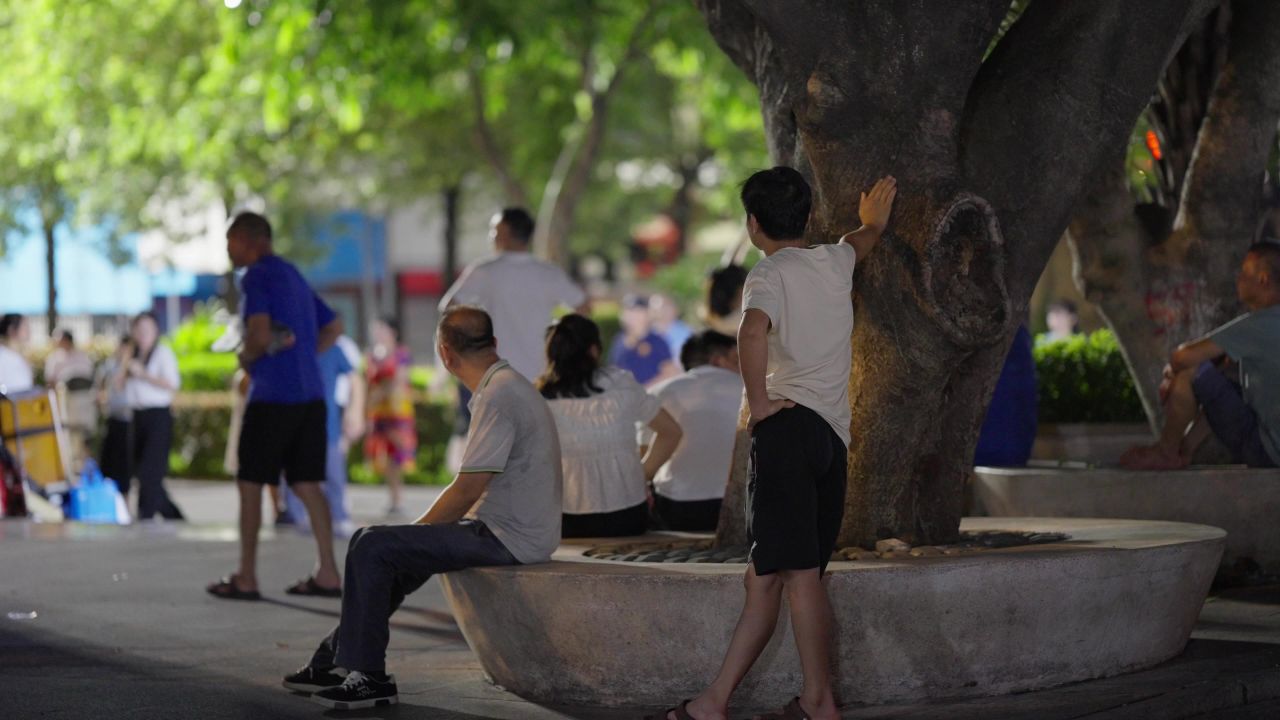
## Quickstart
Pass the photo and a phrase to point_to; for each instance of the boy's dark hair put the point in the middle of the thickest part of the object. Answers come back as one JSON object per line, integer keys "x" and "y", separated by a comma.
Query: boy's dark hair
{"x": 67, "y": 336}
{"x": 466, "y": 330}
{"x": 519, "y": 222}
{"x": 1269, "y": 253}
{"x": 251, "y": 224}
{"x": 779, "y": 199}
{"x": 725, "y": 288}
{"x": 1063, "y": 306}
{"x": 571, "y": 366}
{"x": 699, "y": 349}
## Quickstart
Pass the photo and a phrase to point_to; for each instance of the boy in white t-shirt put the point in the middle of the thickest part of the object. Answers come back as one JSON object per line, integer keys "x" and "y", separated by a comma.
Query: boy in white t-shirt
{"x": 795, "y": 353}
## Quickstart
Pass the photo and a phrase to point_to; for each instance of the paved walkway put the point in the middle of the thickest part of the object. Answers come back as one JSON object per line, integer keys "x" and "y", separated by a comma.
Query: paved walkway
{"x": 123, "y": 628}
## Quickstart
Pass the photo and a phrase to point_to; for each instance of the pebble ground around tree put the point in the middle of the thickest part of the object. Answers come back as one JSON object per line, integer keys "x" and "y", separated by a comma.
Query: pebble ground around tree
{"x": 122, "y": 626}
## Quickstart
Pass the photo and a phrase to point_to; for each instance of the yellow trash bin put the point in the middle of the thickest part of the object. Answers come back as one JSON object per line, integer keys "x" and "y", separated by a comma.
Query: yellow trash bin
{"x": 32, "y": 430}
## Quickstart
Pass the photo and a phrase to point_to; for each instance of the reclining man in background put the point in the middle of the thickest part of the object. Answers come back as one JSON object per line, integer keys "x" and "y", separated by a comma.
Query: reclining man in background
{"x": 502, "y": 509}
{"x": 1200, "y": 381}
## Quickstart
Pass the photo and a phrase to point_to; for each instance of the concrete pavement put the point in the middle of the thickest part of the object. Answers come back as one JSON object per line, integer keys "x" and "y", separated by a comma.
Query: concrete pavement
{"x": 122, "y": 627}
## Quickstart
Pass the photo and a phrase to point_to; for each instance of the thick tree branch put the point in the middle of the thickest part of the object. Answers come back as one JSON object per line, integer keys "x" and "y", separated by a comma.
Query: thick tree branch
{"x": 1222, "y": 196}
{"x": 488, "y": 144}
{"x": 1042, "y": 101}
{"x": 573, "y": 168}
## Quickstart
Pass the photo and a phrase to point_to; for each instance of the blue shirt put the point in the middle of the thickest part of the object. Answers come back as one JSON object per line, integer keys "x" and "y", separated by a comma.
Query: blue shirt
{"x": 644, "y": 360}
{"x": 1009, "y": 431}
{"x": 274, "y": 287}
{"x": 333, "y": 365}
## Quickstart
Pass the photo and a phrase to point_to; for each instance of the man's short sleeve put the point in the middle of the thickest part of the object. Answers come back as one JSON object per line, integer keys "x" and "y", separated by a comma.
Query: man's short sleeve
{"x": 760, "y": 293}
{"x": 256, "y": 299}
{"x": 1249, "y": 336}
{"x": 489, "y": 441}
{"x": 324, "y": 313}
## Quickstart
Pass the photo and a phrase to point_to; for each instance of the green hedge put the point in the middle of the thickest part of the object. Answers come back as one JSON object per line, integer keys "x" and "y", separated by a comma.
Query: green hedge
{"x": 1084, "y": 379}
{"x": 202, "y": 422}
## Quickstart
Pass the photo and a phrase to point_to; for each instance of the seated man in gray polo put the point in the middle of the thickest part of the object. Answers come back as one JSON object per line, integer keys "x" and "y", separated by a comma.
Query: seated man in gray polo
{"x": 502, "y": 509}
{"x": 1230, "y": 379}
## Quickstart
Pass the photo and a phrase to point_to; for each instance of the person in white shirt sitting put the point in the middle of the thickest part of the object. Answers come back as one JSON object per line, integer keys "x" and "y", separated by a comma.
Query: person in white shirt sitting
{"x": 705, "y": 401}
{"x": 596, "y": 411}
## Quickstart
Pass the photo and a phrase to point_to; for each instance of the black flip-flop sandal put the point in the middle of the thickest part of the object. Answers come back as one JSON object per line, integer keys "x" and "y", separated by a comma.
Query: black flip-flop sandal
{"x": 226, "y": 589}
{"x": 310, "y": 588}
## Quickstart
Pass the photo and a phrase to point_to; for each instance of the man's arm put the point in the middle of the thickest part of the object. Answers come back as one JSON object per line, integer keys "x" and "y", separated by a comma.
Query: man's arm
{"x": 753, "y": 355}
{"x": 1191, "y": 354}
{"x": 667, "y": 435}
{"x": 873, "y": 209}
{"x": 457, "y": 499}
{"x": 256, "y": 340}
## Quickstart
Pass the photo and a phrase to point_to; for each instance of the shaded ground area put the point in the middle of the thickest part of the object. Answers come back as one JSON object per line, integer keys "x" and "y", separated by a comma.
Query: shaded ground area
{"x": 123, "y": 627}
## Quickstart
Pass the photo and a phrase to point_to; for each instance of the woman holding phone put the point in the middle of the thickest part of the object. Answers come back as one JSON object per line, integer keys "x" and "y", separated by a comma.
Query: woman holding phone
{"x": 149, "y": 379}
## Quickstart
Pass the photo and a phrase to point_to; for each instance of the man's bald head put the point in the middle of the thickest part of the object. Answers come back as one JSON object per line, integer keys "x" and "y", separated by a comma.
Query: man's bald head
{"x": 467, "y": 331}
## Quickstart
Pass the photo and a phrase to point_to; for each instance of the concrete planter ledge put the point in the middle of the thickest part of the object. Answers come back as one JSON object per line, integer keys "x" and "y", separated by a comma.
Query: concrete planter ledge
{"x": 1243, "y": 501}
{"x": 1099, "y": 443}
{"x": 1118, "y": 596}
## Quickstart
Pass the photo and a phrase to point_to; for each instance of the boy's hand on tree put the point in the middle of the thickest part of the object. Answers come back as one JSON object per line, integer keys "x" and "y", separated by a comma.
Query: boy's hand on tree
{"x": 875, "y": 206}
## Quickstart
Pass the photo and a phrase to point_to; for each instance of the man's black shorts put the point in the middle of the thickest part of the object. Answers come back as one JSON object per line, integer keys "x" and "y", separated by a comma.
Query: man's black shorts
{"x": 795, "y": 491}
{"x": 283, "y": 438}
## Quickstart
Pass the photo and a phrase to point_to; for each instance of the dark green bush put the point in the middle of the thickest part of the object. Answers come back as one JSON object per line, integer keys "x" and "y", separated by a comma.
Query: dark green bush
{"x": 1085, "y": 379}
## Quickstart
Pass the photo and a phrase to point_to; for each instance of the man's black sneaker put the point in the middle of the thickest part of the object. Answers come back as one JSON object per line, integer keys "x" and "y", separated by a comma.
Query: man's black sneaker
{"x": 359, "y": 691}
{"x": 310, "y": 680}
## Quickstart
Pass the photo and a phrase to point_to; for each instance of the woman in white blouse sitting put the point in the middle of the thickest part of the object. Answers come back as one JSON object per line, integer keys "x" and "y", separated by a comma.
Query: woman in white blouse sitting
{"x": 148, "y": 377}
{"x": 597, "y": 411}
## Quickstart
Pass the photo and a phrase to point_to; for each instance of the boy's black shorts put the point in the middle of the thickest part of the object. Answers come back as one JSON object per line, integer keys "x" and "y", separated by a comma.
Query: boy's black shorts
{"x": 795, "y": 491}
{"x": 283, "y": 438}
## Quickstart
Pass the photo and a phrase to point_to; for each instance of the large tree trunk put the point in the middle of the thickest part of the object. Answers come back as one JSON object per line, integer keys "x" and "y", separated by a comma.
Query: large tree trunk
{"x": 451, "y": 196}
{"x": 989, "y": 166}
{"x": 50, "y": 273}
{"x": 1160, "y": 286}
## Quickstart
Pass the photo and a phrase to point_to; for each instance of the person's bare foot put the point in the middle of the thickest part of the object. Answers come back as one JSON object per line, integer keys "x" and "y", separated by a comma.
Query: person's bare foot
{"x": 1152, "y": 457}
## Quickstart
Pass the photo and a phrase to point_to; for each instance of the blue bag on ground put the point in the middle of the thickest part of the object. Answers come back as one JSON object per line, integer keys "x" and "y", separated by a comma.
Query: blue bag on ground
{"x": 95, "y": 498}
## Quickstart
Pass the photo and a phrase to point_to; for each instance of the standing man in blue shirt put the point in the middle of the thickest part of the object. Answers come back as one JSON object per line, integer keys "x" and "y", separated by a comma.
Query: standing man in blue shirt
{"x": 286, "y": 326}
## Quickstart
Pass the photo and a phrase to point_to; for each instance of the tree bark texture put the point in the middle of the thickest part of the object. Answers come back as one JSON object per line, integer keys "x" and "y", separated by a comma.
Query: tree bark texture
{"x": 990, "y": 156}
{"x": 1159, "y": 286}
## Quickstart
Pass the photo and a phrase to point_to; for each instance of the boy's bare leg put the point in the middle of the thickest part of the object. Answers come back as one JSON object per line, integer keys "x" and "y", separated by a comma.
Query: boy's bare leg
{"x": 312, "y": 496}
{"x": 755, "y": 627}
{"x": 813, "y": 623}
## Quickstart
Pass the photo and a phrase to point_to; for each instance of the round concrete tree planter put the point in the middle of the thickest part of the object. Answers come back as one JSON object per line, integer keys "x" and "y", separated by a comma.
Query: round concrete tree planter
{"x": 1097, "y": 443}
{"x": 1118, "y": 596}
{"x": 1245, "y": 502}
